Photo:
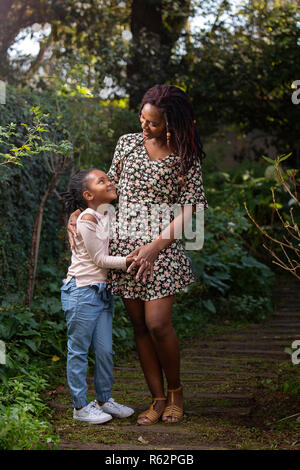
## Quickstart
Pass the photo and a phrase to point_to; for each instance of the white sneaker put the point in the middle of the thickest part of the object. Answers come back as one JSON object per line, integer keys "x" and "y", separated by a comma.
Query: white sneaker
{"x": 91, "y": 414}
{"x": 116, "y": 410}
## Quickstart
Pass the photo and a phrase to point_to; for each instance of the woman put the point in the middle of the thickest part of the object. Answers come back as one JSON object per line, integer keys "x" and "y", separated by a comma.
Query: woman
{"x": 161, "y": 166}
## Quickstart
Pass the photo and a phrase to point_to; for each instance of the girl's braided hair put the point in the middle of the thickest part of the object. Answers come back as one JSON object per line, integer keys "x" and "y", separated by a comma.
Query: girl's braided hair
{"x": 73, "y": 198}
{"x": 180, "y": 121}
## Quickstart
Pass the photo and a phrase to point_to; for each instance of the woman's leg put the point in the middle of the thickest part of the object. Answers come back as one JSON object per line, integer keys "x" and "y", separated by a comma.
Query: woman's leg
{"x": 158, "y": 316}
{"x": 147, "y": 354}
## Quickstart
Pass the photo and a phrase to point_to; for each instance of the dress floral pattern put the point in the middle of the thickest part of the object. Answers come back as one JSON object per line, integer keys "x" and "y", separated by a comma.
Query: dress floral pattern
{"x": 151, "y": 184}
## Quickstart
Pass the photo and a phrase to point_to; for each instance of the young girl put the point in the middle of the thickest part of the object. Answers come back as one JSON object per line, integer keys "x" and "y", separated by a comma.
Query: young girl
{"x": 87, "y": 304}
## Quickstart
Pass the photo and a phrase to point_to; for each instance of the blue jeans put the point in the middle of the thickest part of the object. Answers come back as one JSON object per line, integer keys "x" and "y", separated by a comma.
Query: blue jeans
{"x": 89, "y": 311}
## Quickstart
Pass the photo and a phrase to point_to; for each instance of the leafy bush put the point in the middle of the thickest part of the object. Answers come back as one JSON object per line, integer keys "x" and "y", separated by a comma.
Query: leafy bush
{"x": 251, "y": 182}
{"x": 93, "y": 128}
{"x": 22, "y": 423}
{"x": 29, "y": 336}
{"x": 231, "y": 284}
{"x": 19, "y": 430}
{"x": 123, "y": 340}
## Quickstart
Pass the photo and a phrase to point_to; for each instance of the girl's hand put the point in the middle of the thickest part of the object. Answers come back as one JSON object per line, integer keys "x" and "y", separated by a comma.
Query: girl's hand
{"x": 145, "y": 257}
{"x": 129, "y": 260}
{"x": 72, "y": 234}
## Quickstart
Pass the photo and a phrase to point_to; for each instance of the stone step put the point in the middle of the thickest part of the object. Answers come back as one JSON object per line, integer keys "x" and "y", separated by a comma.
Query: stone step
{"x": 208, "y": 362}
{"x": 80, "y": 445}
{"x": 216, "y": 372}
{"x": 281, "y": 330}
{"x": 284, "y": 324}
{"x": 218, "y": 410}
{"x": 275, "y": 331}
{"x": 241, "y": 397}
{"x": 287, "y": 291}
{"x": 196, "y": 382}
{"x": 277, "y": 337}
{"x": 249, "y": 345}
{"x": 258, "y": 355}
{"x": 292, "y": 315}
{"x": 196, "y": 410}
{"x": 206, "y": 410}
{"x": 205, "y": 396}
{"x": 287, "y": 308}
{"x": 294, "y": 293}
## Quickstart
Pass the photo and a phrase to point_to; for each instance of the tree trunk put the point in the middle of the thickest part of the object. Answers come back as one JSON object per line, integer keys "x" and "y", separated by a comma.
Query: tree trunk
{"x": 36, "y": 233}
{"x": 16, "y": 15}
{"x": 155, "y": 33}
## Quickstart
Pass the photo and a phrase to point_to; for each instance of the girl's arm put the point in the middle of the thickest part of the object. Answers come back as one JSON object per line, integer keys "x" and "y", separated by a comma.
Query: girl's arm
{"x": 96, "y": 247}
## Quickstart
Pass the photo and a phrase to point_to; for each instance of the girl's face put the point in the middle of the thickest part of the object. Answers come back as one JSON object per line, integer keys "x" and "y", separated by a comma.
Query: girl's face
{"x": 100, "y": 189}
{"x": 153, "y": 122}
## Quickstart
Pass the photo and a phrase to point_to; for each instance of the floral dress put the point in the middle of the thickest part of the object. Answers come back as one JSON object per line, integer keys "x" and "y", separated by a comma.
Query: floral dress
{"x": 145, "y": 184}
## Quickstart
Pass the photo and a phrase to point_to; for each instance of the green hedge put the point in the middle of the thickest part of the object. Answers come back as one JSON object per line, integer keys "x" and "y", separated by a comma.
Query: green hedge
{"x": 94, "y": 129}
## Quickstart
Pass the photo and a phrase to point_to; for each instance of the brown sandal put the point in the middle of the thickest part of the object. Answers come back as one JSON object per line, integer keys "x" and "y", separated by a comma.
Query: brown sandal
{"x": 151, "y": 414}
{"x": 172, "y": 410}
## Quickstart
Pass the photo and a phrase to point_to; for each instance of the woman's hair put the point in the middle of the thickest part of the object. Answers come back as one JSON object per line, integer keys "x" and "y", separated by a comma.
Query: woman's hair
{"x": 73, "y": 197}
{"x": 180, "y": 122}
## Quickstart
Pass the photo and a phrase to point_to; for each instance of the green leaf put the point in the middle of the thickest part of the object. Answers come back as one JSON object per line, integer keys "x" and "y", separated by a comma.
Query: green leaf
{"x": 283, "y": 157}
{"x": 30, "y": 344}
{"x": 269, "y": 160}
{"x": 209, "y": 306}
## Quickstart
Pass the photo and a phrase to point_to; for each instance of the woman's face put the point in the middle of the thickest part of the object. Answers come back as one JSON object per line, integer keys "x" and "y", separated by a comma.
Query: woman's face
{"x": 153, "y": 122}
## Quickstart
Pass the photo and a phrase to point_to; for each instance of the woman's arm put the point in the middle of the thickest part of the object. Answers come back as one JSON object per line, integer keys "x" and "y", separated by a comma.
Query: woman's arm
{"x": 176, "y": 228}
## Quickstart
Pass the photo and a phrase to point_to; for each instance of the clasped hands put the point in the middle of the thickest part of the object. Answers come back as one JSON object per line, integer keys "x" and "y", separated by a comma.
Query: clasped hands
{"x": 142, "y": 257}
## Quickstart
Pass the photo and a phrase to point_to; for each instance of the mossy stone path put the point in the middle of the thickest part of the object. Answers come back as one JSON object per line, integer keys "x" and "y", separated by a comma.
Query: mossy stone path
{"x": 232, "y": 388}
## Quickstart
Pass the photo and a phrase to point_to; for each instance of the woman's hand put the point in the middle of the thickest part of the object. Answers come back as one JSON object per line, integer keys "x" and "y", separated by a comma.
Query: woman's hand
{"x": 145, "y": 256}
{"x": 146, "y": 267}
{"x": 72, "y": 234}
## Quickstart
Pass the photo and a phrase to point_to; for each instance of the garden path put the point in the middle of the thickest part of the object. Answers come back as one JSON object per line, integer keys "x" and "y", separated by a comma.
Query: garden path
{"x": 232, "y": 382}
